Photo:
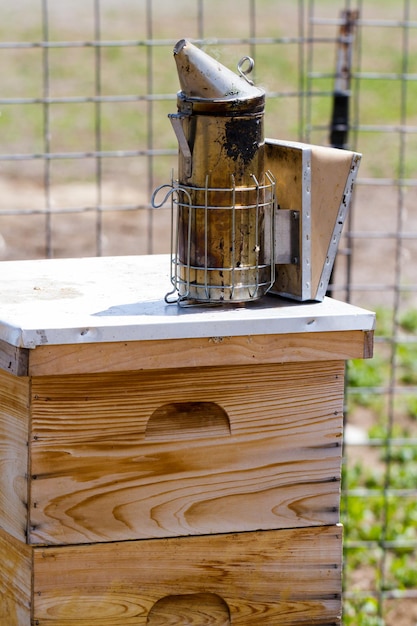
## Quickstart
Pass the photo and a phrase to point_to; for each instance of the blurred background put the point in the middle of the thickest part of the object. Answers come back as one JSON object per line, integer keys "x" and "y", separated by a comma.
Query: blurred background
{"x": 86, "y": 87}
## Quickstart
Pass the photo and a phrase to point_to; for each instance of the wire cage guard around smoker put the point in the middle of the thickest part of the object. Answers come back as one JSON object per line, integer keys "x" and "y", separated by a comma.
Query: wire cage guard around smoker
{"x": 222, "y": 241}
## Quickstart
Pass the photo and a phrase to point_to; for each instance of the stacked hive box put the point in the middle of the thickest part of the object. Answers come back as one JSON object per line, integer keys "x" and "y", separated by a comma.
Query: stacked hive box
{"x": 162, "y": 465}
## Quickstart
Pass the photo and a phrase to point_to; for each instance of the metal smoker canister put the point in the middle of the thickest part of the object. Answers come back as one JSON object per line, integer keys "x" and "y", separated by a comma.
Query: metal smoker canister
{"x": 224, "y": 239}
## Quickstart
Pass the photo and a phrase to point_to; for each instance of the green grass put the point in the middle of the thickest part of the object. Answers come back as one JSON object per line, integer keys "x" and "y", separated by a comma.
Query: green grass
{"x": 369, "y": 512}
{"x": 374, "y": 373}
{"x": 124, "y": 70}
{"x": 371, "y": 518}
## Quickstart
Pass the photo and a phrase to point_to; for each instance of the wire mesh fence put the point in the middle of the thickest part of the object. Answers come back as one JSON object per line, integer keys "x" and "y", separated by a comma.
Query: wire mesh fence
{"x": 86, "y": 89}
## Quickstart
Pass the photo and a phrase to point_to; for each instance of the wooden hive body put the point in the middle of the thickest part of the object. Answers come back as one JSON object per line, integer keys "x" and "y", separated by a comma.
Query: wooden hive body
{"x": 187, "y": 479}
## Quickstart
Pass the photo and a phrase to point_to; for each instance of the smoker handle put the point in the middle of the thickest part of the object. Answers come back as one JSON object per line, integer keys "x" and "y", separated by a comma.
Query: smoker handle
{"x": 187, "y": 420}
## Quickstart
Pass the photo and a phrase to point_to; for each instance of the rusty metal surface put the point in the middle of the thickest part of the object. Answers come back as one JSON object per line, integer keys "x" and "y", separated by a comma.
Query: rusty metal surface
{"x": 225, "y": 201}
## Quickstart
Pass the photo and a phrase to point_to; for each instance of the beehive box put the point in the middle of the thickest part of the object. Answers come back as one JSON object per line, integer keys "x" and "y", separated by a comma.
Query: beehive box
{"x": 163, "y": 465}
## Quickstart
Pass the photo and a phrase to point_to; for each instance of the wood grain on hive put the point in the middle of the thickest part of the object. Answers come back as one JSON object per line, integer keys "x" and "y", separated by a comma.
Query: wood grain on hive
{"x": 164, "y": 465}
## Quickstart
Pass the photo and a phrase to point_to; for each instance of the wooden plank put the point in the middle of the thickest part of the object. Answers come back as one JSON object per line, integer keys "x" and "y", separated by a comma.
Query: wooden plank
{"x": 330, "y": 172}
{"x": 97, "y": 476}
{"x": 15, "y": 581}
{"x": 199, "y": 352}
{"x": 290, "y": 577}
{"x": 14, "y": 460}
{"x": 13, "y": 359}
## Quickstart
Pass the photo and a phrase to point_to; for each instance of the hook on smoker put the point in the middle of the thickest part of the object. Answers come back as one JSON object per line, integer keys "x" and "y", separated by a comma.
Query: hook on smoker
{"x": 172, "y": 189}
{"x": 169, "y": 193}
{"x": 244, "y": 72}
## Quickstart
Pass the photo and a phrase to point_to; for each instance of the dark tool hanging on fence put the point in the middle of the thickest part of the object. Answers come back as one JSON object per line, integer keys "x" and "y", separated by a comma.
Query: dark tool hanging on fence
{"x": 339, "y": 125}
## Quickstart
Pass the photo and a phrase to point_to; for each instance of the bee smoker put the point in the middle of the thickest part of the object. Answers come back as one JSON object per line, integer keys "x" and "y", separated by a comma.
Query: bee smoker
{"x": 231, "y": 241}
{"x": 222, "y": 244}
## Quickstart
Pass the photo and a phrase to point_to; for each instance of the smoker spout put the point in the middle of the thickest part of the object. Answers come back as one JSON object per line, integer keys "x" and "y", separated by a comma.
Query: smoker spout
{"x": 202, "y": 77}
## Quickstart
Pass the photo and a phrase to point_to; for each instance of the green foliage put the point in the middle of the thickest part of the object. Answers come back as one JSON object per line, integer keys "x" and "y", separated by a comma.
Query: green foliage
{"x": 374, "y": 514}
{"x": 407, "y": 363}
{"x": 373, "y": 373}
{"x": 405, "y": 572}
{"x": 408, "y": 321}
{"x": 361, "y": 612}
{"x": 379, "y": 506}
{"x": 366, "y": 373}
{"x": 384, "y": 322}
{"x": 411, "y": 404}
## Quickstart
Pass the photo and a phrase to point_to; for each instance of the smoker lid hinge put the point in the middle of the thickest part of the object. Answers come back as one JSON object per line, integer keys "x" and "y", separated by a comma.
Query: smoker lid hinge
{"x": 176, "y": 121}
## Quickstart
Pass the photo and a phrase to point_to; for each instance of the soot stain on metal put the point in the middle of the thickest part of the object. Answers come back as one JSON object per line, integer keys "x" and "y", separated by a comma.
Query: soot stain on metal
{"x": 242, "y": 139}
